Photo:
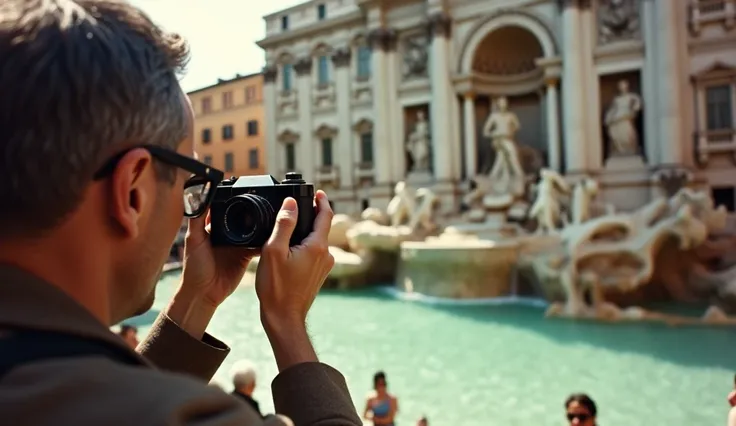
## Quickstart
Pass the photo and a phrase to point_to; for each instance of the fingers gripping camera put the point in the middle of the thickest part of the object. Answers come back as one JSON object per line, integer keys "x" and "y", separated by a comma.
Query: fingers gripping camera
{"x": 244, "y": 208}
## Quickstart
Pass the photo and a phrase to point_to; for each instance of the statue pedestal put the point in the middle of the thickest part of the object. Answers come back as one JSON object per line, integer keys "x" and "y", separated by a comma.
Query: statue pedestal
{"x": 625, "y": 182}
{"x": 420, "y": 179}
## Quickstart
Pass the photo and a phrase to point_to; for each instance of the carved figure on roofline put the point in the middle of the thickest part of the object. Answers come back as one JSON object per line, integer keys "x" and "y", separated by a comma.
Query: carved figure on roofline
{"x": 618, "y": 20}
{"x": 620, "y": 121}
{"x": 418, "y": 145}
{"x": 501, "y": 127}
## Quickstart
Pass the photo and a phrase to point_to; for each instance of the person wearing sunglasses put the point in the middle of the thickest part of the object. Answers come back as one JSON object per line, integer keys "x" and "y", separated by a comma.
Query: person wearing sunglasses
{"x": 581, "y": 410}
{"x": 97, "y": 170}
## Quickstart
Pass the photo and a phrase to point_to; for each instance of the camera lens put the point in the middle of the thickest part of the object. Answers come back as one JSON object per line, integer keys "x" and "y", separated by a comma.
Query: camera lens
{"x": 248, "y": 220}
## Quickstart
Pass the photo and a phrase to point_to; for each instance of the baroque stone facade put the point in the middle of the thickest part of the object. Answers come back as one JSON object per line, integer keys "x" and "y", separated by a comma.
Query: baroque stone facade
{"x": 343, "y": 89}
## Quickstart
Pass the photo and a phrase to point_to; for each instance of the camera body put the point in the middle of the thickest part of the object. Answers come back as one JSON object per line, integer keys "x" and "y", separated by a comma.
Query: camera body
{"x": 243, "y": 211}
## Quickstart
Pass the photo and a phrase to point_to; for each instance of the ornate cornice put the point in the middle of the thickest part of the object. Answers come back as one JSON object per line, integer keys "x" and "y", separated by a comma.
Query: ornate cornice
{"x": 270, "y": 73}
{"x": 341, "y": 57}
{"x": 303, "y": 66}
{"x": 439, "y": 25}
{"x": 383, "y": 39}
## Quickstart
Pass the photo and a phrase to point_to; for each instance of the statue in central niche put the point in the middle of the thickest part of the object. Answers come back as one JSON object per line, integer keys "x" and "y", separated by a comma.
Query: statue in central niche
{"x": 507, "y": 175}
{"x": 620, "y": 121}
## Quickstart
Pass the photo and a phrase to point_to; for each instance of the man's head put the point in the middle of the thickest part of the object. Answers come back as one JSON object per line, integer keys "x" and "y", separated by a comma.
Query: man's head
{"x": 244, "y": 377}
{"x": 84, "y": 85}
{"x": 581, "y": 410}
{"x": 129, "y": 333}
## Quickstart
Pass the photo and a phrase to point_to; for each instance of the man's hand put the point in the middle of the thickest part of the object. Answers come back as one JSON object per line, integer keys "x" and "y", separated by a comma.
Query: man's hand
{"x": 210, "y": 275}
{"x": 289, "y": 278}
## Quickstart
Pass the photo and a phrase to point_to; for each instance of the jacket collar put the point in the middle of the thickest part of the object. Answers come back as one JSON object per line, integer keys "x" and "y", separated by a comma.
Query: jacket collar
{"x": 28, "y": 302}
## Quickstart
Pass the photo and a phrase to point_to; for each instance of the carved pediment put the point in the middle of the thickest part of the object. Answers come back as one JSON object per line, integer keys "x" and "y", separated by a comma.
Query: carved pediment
{"x": 288, "y": 136}
{"x": 325, "y": 131}
{"x": 717, "y": 69}
{"x": 363, "y": 126}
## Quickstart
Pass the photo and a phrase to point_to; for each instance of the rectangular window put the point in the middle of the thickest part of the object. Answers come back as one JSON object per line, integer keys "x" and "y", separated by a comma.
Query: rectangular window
{"x": 227, "y": 132}
{"x": 286, "y": 77}
{"x": 364, "y": 62}
{"x": 206, "y": 136}
{"x": 323, "y": 70}
{"x": 229, "y": 162}
{"x": 227, "y": 100}
{"x": 208, "y": 160}
{"x": 250, "y": 95}
{"x": 253, "y": 158}
{"x": 327, "y": 152}
{"x": 724, "y": 196}
{"x": 290, "y": 157}
{"x": 252, "y": 128}
{"x": 719, "y": 107}
{"x": 321, "y": 12}
{"x": 285, "y": 23}
{"x": 206, "y": 105}
{"x": 366, "y": 148}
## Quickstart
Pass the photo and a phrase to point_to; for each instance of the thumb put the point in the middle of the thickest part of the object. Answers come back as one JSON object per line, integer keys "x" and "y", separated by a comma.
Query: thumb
{"x": 196, "y": 232}
{"x": 285, "y": 224}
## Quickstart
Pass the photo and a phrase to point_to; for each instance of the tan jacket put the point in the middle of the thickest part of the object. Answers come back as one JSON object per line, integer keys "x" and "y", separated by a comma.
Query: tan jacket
{"x": 168, "y": 388}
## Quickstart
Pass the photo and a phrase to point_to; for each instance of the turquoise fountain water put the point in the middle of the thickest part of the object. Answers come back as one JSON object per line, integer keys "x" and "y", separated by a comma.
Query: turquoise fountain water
{"x": 494, "y": 365}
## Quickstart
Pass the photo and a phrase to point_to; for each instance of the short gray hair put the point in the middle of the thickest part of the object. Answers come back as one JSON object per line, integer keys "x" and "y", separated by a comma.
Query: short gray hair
{"x": 81, "y": 81}
{"x": 243, "y": 374}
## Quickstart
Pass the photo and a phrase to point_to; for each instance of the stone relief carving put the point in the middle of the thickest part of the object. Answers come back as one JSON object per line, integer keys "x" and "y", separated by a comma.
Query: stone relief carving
{"x": 620, "y": 124}
{"x": 418, "y": 144}
{"x": 341, "y": 57}
{"x": 416, "y": 56}
{"x": 618, "y": 20}
{"x": 546, "y": 208}
{"x": 382, "y": 39}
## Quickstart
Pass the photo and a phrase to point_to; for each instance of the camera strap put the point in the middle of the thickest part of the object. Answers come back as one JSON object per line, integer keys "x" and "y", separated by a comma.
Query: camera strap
{"x": 28, "y": 346}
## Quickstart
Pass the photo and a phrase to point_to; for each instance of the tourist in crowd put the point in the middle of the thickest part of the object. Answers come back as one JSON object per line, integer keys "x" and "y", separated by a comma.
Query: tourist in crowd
{"x": 96, "y": 150}
{"x": 129, "y": 333}
{"x": 423, "y": 421}
{"x": 381, "y": 407}
{"x": 581, "y": 410}
{"x": 244, "y": 383}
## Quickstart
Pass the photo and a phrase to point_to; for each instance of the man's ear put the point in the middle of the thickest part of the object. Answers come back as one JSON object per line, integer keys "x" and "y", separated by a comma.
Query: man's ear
{"x": 132, "y": 184}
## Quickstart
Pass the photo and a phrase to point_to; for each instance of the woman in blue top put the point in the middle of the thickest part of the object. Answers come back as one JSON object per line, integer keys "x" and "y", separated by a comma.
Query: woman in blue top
{"x": 381, "y": 405}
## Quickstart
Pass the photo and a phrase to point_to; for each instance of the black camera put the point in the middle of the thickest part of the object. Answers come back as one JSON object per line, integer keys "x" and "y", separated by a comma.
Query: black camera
{"x": 244, "y": 209}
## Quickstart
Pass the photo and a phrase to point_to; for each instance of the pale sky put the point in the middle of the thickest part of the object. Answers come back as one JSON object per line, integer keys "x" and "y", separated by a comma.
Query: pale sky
{"x": 221, "y": 34}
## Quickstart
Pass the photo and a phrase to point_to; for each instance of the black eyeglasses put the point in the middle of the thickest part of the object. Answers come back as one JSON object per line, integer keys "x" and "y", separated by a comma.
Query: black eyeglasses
{"x": 581, "y": 417}
{"x": 198, "y": 189}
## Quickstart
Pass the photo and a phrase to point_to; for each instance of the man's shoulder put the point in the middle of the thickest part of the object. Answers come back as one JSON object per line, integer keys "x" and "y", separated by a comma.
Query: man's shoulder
{"x": 101, "y": 391}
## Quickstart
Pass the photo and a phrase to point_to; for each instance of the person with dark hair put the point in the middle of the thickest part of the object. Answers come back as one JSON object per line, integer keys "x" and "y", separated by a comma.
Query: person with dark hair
{"x": 96, "y": 160}
{"x": 129, "y": 334}
{"x": 381, "y": 407}
{"x": 581, "y": 410}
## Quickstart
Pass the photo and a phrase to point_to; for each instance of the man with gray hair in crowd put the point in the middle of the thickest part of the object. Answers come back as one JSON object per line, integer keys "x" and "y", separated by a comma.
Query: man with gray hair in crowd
{"x": 244, "y": 383}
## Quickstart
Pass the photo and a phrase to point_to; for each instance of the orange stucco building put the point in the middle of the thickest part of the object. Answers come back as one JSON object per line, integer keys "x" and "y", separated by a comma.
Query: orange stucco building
{"x": 229, "y": 124}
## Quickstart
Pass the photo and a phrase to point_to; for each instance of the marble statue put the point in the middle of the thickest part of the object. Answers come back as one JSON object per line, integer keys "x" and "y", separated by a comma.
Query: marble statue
{"x": 402, "y": 205}
{"x": 620, "y": 121}
{"x": 415, "y": 57}
{"x": 501, "y": 127}
{"x": 582, "y": 197}
{"x": 423, "y": 218}
{"x": 618, "y": 20}
{"x": 546, "y": 208}
{"x": 418, "y": 144}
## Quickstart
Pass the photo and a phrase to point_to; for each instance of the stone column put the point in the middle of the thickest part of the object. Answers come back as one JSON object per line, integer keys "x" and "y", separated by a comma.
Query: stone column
{"x": 471, "y": 143}
{"x": 344, "y": 142}
{"x": 553, "y": 125}
{"x": 380, "y": 42}
{"x": 441, "y": 105}
{"x": 305, "y": 153}
{"x": 269, "y": 101}
{"x": 593, "y": 140}
{"x": 395, "y": 114}
{"x": 573, "y": 98}
{"x": 650, "y": 77}
{"x": 669, "y": 30}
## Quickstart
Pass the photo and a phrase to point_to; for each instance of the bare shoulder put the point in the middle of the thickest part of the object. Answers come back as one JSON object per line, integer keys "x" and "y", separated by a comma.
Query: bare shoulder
{"x": 112, "y": 394}
{"x": 732, "y": 417}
